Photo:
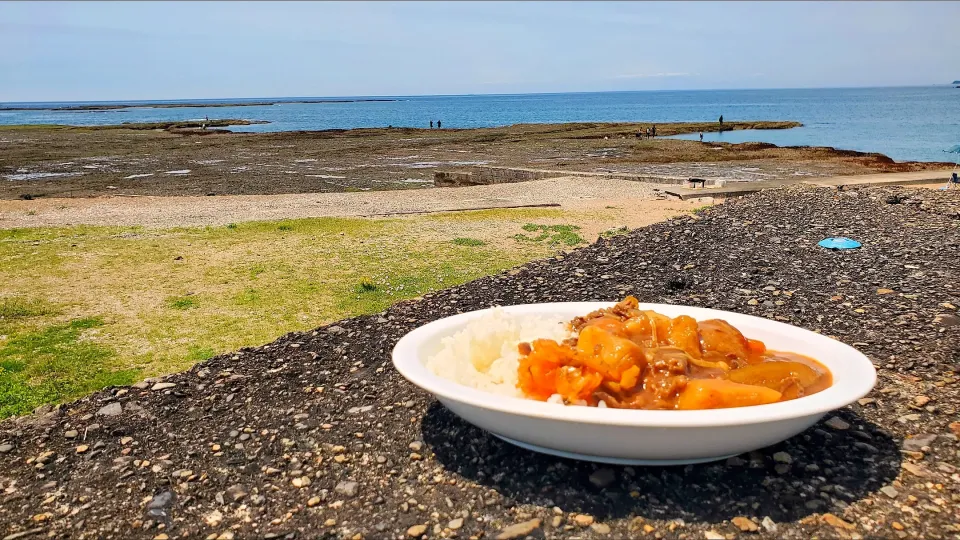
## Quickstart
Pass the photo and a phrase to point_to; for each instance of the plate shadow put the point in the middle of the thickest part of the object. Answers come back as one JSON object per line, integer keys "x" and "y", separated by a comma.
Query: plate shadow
{"x": 828, "y": 470}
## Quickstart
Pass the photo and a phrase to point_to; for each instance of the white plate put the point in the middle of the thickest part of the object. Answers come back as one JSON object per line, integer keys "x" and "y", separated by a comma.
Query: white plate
{"x": 638, "y": 436}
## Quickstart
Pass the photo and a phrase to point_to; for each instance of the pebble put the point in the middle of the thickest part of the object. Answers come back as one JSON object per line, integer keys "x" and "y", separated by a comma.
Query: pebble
{"x": 916, "y": 470}
{"x": 947, "y": 319}
{"x": 583, "y": 520}
{"x": 71, "y": 434}
{"x": 745, "y": 524}
{"x": 600, "y": 528}
{"x": 783, "y": 457}
{"x": 768, "y": 524}
{"x": 159, "y": 504}
{"x": 519, "y": 530}
{"x": 313, "y": 501}
{"x": 5, "y": 448}
{"x": 866, "y": 401}
{"x": 112, "y": 409}
{"x": 416, "y": 531}
{"x": 301, "y": 481}
{"x": 416, "y": 446}
{"x": 236, "y": 492}
{"x": 359, "y": 410}
{"x": 347, "y": 489}
{"x": 837, "y": 423}
{"x": 918, "y": 442}
{"x": 603, "y": 477}
{"x": 920, "y": 401}
{"x": 331, "y": 522}
{"x": 836, "y": 522}
{"x": 714, "y": 535}
{"x": 890, "y": 491}
{"x": 163, "y": 386}
{"x": 455, "y": 523}
{"x": 82, "y": 448}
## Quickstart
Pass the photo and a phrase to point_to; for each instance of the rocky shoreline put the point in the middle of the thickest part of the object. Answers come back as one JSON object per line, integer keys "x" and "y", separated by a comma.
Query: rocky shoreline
{"x": 315, "y": 435}
{"x": 57, "y": 162}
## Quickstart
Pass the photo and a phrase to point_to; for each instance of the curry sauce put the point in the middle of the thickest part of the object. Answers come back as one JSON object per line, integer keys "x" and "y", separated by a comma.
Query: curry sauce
{"x": 627, "y": 358}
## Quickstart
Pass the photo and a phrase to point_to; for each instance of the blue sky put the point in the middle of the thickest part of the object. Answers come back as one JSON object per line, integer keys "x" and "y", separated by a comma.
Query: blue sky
{"x": 145, "y": 50}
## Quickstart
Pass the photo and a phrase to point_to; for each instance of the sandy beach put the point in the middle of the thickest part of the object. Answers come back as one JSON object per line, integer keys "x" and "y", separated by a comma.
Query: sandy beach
{"x": 638, "y": 200}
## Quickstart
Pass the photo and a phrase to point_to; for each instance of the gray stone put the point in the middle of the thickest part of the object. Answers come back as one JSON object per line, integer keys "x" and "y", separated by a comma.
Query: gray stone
{"x": 163, "y": 386}
{"x": 917, "y": 442}
{"x": 112, "y": 409}
{"x": 603, "y": 477}
{"x": 347, "y": 489}
{"x": 837, "y": 423}
{"x": 71, "y": 434}
{"x": 159, "y": 505}
{"x": 947, "y": 319}
{"x": 5, "y": 448}
{"x": 890, "y": 491}
{"x": 236, "y": 492}
{"x": 358, "y": 410}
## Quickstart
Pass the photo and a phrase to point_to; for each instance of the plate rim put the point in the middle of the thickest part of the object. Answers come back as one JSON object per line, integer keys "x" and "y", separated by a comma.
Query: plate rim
{"x": 610, "y": 460}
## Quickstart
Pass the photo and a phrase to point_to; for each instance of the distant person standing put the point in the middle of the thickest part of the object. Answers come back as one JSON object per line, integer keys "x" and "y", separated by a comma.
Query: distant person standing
{"x": 721, "y": 120}
{"x": 653, "y": 130}
{"x": 701, "y": 136}
{"x": 438, "y": 124}
{"x": 431, "y": 124}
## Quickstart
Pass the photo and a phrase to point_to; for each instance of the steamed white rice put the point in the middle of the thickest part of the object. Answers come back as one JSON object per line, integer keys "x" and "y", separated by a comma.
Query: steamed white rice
{"x": 484, "y": 354}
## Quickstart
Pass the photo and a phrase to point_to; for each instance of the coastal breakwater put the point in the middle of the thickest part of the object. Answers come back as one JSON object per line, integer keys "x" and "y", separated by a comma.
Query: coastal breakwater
{"x": 482, "y": 175}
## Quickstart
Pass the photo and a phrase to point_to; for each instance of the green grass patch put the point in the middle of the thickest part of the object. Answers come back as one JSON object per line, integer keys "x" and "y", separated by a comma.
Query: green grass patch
{"x": 366, "y": 286}
{"x": 17, "y": 307}
{"x": 473, "y": 242}
{"x": 54, "y": 363}
{"x": 181, "y": 302}
{"x": 199, "y": 354}
{"x": 248, "y": 286}
{"x": 700, "y": 209}
{"x": 553, "y": 235}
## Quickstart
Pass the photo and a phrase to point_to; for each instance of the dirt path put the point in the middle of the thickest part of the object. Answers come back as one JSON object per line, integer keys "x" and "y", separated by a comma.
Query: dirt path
{"x": 634, "y": 198}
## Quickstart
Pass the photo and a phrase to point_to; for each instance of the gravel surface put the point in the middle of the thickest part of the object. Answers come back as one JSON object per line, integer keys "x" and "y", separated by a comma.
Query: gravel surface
{"x": 316, "y": 436}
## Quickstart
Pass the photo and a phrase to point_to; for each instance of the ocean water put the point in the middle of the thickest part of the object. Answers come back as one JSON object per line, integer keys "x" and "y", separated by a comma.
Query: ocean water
{"x": 904, "y": 123}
